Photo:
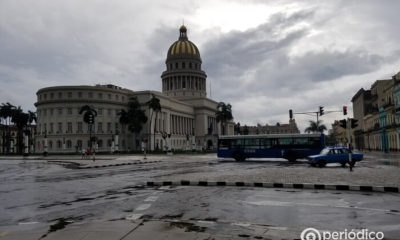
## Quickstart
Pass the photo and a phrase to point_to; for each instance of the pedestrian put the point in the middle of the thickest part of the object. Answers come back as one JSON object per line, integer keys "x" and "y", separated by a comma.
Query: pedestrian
{"x": 94, "y": 155}
{"x": 83, "y": 151}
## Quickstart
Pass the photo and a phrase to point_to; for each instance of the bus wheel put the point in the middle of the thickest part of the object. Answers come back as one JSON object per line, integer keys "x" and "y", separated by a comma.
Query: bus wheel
{"x": 238, "y": 156}
{"x": 343, "y": 165}
{"x": 321, "y": 163}
{"x": 291, "y": 159}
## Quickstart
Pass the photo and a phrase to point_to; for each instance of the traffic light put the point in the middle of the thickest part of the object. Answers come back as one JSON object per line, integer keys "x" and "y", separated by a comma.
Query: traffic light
{"x": 354, "y": 123}
{"x": 321, "y": 111}
{"x": 343, "y": 123}
{"x": 290, "y": 113}
{"x": 344, "y": 110}
{"x": 91, "y": 118}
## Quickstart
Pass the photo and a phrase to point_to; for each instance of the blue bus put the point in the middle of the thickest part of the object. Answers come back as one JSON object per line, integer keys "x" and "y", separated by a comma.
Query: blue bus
{"x": 288, "y": 146}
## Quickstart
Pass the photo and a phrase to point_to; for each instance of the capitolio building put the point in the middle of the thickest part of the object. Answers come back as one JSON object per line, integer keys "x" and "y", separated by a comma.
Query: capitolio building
{"x": 186, "y": 122}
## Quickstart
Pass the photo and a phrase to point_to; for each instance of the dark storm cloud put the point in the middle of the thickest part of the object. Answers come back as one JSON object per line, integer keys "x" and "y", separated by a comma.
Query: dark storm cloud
{"x": 261, "y": 64}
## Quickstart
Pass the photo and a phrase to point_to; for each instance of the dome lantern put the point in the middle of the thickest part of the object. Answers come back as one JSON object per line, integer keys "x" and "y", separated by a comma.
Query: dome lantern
{"x": 183, "y": 34}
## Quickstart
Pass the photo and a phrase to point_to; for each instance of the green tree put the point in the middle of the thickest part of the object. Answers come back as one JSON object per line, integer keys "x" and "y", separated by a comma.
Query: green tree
{"x": 245, "y": 130}
{"x": 20, "y": 120}
{"x": 223, "y": 114}
{"x": 134, "y": 118}
{"x": 6, "y": 111}
{"x": 315, "y": 127}
{"x": 155, "y": 107}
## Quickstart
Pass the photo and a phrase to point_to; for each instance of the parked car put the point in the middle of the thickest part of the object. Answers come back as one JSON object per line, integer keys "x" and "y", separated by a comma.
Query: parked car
{"x": 334, "y": 155}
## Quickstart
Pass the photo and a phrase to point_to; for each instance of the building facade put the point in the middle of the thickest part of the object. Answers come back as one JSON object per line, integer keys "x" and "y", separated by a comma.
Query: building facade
{"x": 376, "y": 112}
{"x": 186, "y": 121}
{"x": 287, "y": 128}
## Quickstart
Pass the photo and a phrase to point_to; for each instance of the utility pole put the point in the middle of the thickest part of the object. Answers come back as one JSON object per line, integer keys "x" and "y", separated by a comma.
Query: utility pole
{"x": 348, "y": 127}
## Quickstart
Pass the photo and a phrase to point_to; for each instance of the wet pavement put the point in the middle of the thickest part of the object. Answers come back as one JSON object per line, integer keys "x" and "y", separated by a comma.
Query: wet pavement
{"x": 42, "y": 193}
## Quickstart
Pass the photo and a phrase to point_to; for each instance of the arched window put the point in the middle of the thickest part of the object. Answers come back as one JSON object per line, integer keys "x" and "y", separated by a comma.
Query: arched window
{"x": 59, "y": 144}
{"x": 50, "y": 144}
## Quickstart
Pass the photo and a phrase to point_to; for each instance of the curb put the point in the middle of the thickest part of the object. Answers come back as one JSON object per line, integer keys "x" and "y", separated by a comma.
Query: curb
{"x": 278, "y": 185}
{"x": 115, "y": 165}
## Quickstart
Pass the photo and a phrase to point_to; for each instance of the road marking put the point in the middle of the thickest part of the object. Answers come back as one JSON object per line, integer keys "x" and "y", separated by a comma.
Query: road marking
{"x": 27, "y": 223}
{"x": 142, "y": 207}
{"x": 151, "y": 199}
{"x": 134, "y": 216}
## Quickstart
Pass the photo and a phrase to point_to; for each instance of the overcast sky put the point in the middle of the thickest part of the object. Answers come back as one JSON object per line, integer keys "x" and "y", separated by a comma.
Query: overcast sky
{"x": 263, "y": 57}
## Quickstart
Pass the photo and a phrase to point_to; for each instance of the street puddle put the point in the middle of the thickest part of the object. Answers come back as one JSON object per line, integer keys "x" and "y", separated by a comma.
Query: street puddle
{"x": 60, "y": 224}
{"x": 189, "y": 227}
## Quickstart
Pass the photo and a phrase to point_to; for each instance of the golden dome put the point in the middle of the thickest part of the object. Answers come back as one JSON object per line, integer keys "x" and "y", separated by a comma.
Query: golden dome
{"x": 183, "y": 48}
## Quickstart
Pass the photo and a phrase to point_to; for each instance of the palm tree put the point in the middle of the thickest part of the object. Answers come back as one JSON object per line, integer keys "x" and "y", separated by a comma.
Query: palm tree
{"x": 20, "y": 120}
{"x": 88, "y": 117}
{"x": 6, "y": 111}
{"x": 134, "y": 117}
{"x": 223, "y": 114}
{"x": 315, "y": 127}
{"x": 155, "y": 106}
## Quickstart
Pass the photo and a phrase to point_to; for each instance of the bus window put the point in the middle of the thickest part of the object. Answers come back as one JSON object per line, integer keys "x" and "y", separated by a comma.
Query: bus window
{"x": 252, "y": 143}
{"x": 224, "y": 143}
{"x": 314, "y": 141}
{"x": 300, "y": 141}
{"x": 265, "y": 143}
{"x": 237, "y": 143}
{"x": 285, "y": 141}
{"x": 274, "y": 143}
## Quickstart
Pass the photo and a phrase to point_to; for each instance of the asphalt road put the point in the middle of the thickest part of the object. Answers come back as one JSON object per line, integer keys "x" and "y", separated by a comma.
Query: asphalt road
{"x": 37, "y": 193}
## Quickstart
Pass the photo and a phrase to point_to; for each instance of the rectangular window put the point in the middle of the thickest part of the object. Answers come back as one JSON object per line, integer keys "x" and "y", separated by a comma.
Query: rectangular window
{"x": 109, "y": 111}
{"x": 69, "y": 127}
{"x": 109, "y": 96}
{"x": 116, "y": 97}
{"x": 224, "y": 143}
{"x": 237, "y": 143}
{"x": 45, "y": 96}
{"x": 100, "y": 111}
{"x": 116, "y": 127}
{"x": 51, "y": 95}
{"x": 252, "y": 143}
{"x": 51, "y": 127}
{"x": 100, "y": 95}
{"x": 285, "y": 141}
{"x": 60, "y": 111}
{"x": 80, "y": 130}
{"x": 90, "y": 95}
{"x": 265, "y": 143}
{"x": 79, "y": 94}
{"x": 44, "y": 112}
{"x": 45, "y": 127}
{"x": 99, "y": 127}
{"x": 51, "y": 111}
{"x": 69, "y": 111}
{"x": 60, "y": 95}
{"x": 108, "y": 127}
{"x": 69, "y": 94}
{"x": 59, "y": 129}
